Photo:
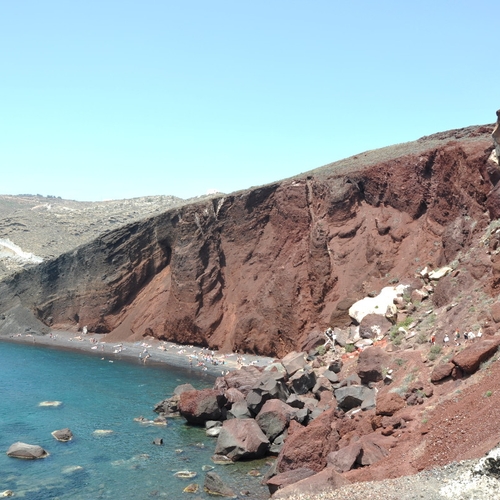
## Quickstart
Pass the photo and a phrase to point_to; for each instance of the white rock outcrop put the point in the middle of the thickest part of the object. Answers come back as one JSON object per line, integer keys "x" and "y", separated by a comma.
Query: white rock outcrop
{"x": 382, "y": 304}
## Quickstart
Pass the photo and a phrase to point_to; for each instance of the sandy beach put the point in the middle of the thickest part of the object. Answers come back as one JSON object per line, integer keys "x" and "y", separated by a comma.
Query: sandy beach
{"x": 148, "y": 351}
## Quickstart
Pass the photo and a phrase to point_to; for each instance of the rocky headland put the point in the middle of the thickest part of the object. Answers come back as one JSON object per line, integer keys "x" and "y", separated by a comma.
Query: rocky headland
{"x": 396, "y": 251}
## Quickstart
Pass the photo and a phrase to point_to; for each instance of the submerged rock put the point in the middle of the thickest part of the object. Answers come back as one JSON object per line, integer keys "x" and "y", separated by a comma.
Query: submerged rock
{"x": 214, "y": 485}
{"x": 26, "y": 451}
{"x": 63, "y": 435}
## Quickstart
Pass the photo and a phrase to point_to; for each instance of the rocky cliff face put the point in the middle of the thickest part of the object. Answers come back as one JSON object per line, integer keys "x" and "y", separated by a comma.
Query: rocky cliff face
{"x": 259, "y": 270}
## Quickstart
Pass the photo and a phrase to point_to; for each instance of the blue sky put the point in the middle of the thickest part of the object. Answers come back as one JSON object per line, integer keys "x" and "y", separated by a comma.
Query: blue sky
{"x": 115, "y": 99}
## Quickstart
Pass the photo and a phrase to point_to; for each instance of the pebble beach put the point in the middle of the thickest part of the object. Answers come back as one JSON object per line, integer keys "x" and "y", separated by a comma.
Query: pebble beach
{"x": 148, "y": 351}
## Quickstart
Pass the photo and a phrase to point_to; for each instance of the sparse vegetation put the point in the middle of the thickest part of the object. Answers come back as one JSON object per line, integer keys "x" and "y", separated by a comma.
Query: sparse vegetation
{"x": 434, "y": 352}
{"x": 488, "y": 394}
{"x": 399, "y": 361}
{"x": 422, "y": 338}
{"x": 321, "y": 350}
{"x": 349, "y": 348}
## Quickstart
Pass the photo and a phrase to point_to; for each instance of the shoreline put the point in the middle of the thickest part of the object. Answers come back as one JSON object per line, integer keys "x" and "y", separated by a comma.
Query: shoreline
{"x": 148, "y": 352}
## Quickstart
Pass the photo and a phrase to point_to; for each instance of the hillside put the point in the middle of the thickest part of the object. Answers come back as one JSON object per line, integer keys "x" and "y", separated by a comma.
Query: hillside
{"x": 259, "y": 270}
{"x": 267, "y": 270}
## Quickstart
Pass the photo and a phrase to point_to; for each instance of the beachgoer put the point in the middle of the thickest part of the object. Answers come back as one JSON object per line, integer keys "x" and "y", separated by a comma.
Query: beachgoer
{"x": 433, "y": 339}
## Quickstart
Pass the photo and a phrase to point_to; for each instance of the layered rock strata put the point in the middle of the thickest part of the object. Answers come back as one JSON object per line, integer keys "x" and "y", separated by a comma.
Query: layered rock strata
{"x": 259, "y": 270}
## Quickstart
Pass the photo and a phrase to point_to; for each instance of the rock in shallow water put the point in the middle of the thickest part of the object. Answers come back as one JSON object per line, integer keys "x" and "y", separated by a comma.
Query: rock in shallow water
{"x": 63, "y": 435}
{"x": 26, "y": 451}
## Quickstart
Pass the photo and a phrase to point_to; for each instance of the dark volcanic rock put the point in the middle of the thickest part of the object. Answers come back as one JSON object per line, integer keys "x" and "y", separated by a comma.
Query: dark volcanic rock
{"x": 371, "y": 362}
{"x": 214, "y": 485}
{"x": 352, "y": 396}
{"x": 274, "y": 418}
{"x": 241, "y": 439}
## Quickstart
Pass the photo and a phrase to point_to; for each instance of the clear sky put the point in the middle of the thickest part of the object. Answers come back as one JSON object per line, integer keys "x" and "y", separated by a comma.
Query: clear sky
{"x": 110, "y": 99}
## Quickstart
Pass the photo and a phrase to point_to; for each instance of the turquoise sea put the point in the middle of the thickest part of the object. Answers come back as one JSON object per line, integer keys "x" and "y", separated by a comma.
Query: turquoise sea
{"x": 99, "y": 395}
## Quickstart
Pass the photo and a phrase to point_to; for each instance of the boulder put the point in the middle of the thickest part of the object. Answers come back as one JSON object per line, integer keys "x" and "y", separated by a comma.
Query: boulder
{"x": 352, "y": 396}
{"x": 363, "y": 343}
{"x": 418, "y": 296}
{"x": 344, "y": 459}
{"x": 322, "y": 384}
{"x": 294, "y": 361}
{"x": 389, "y": 403}
{"x": 243, "y": 379}
{"x": 309, "y": 446}
{"x": 440, "y": 273}
{"x": 276, "y": 366}
{"x": 63, "y": 435}
{"x": 213, "y": 431}
{"x": 302, "y": 381}
{"x": 371, "y": 362}
{"x": 286, "y": 478}
{"x": 369, "y": 402}
{"x": 274, "y": 418}
{"x": 270, "y": 386}
{"x": 158, "y": 441}
{"x": 238, "y": 410}
{"x": 295, "y": 401}
{"x": 302, "y": 416}
{"x": 374, "y": 326}
{"x": 441, "y": 371}
{"x": 335, "y": 366}
{"x": 26, "y": 451}
{"x": 213, "y": 428}
{"x": 214, "y": 485}
{"x": 322, "y": 482}
{"x": 352, "y": 379}
{"x": 374, "y": 447}
{"x": 472, "y": 356}
{"x": 168, "y": 407}
{"x": 241, "y": 439}
{"x": 234, "y": 395}
{"x": 199, "y": 406}
{"x": 331, "y": 376}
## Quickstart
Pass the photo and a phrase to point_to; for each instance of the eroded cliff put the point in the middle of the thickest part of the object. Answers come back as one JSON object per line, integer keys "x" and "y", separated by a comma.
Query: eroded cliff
{"x": 259, "y": 270}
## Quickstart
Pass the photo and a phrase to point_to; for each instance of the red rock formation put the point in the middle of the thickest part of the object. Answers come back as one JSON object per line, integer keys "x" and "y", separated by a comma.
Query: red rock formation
{"x": 258, "y": 270}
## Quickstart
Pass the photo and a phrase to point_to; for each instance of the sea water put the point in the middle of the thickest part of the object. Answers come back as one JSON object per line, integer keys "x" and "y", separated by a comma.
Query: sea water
{"x": 99, "y": 395}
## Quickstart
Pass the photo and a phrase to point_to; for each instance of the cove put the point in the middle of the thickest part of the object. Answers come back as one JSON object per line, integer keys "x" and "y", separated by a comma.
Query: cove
{"x": 97, "y": 394}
